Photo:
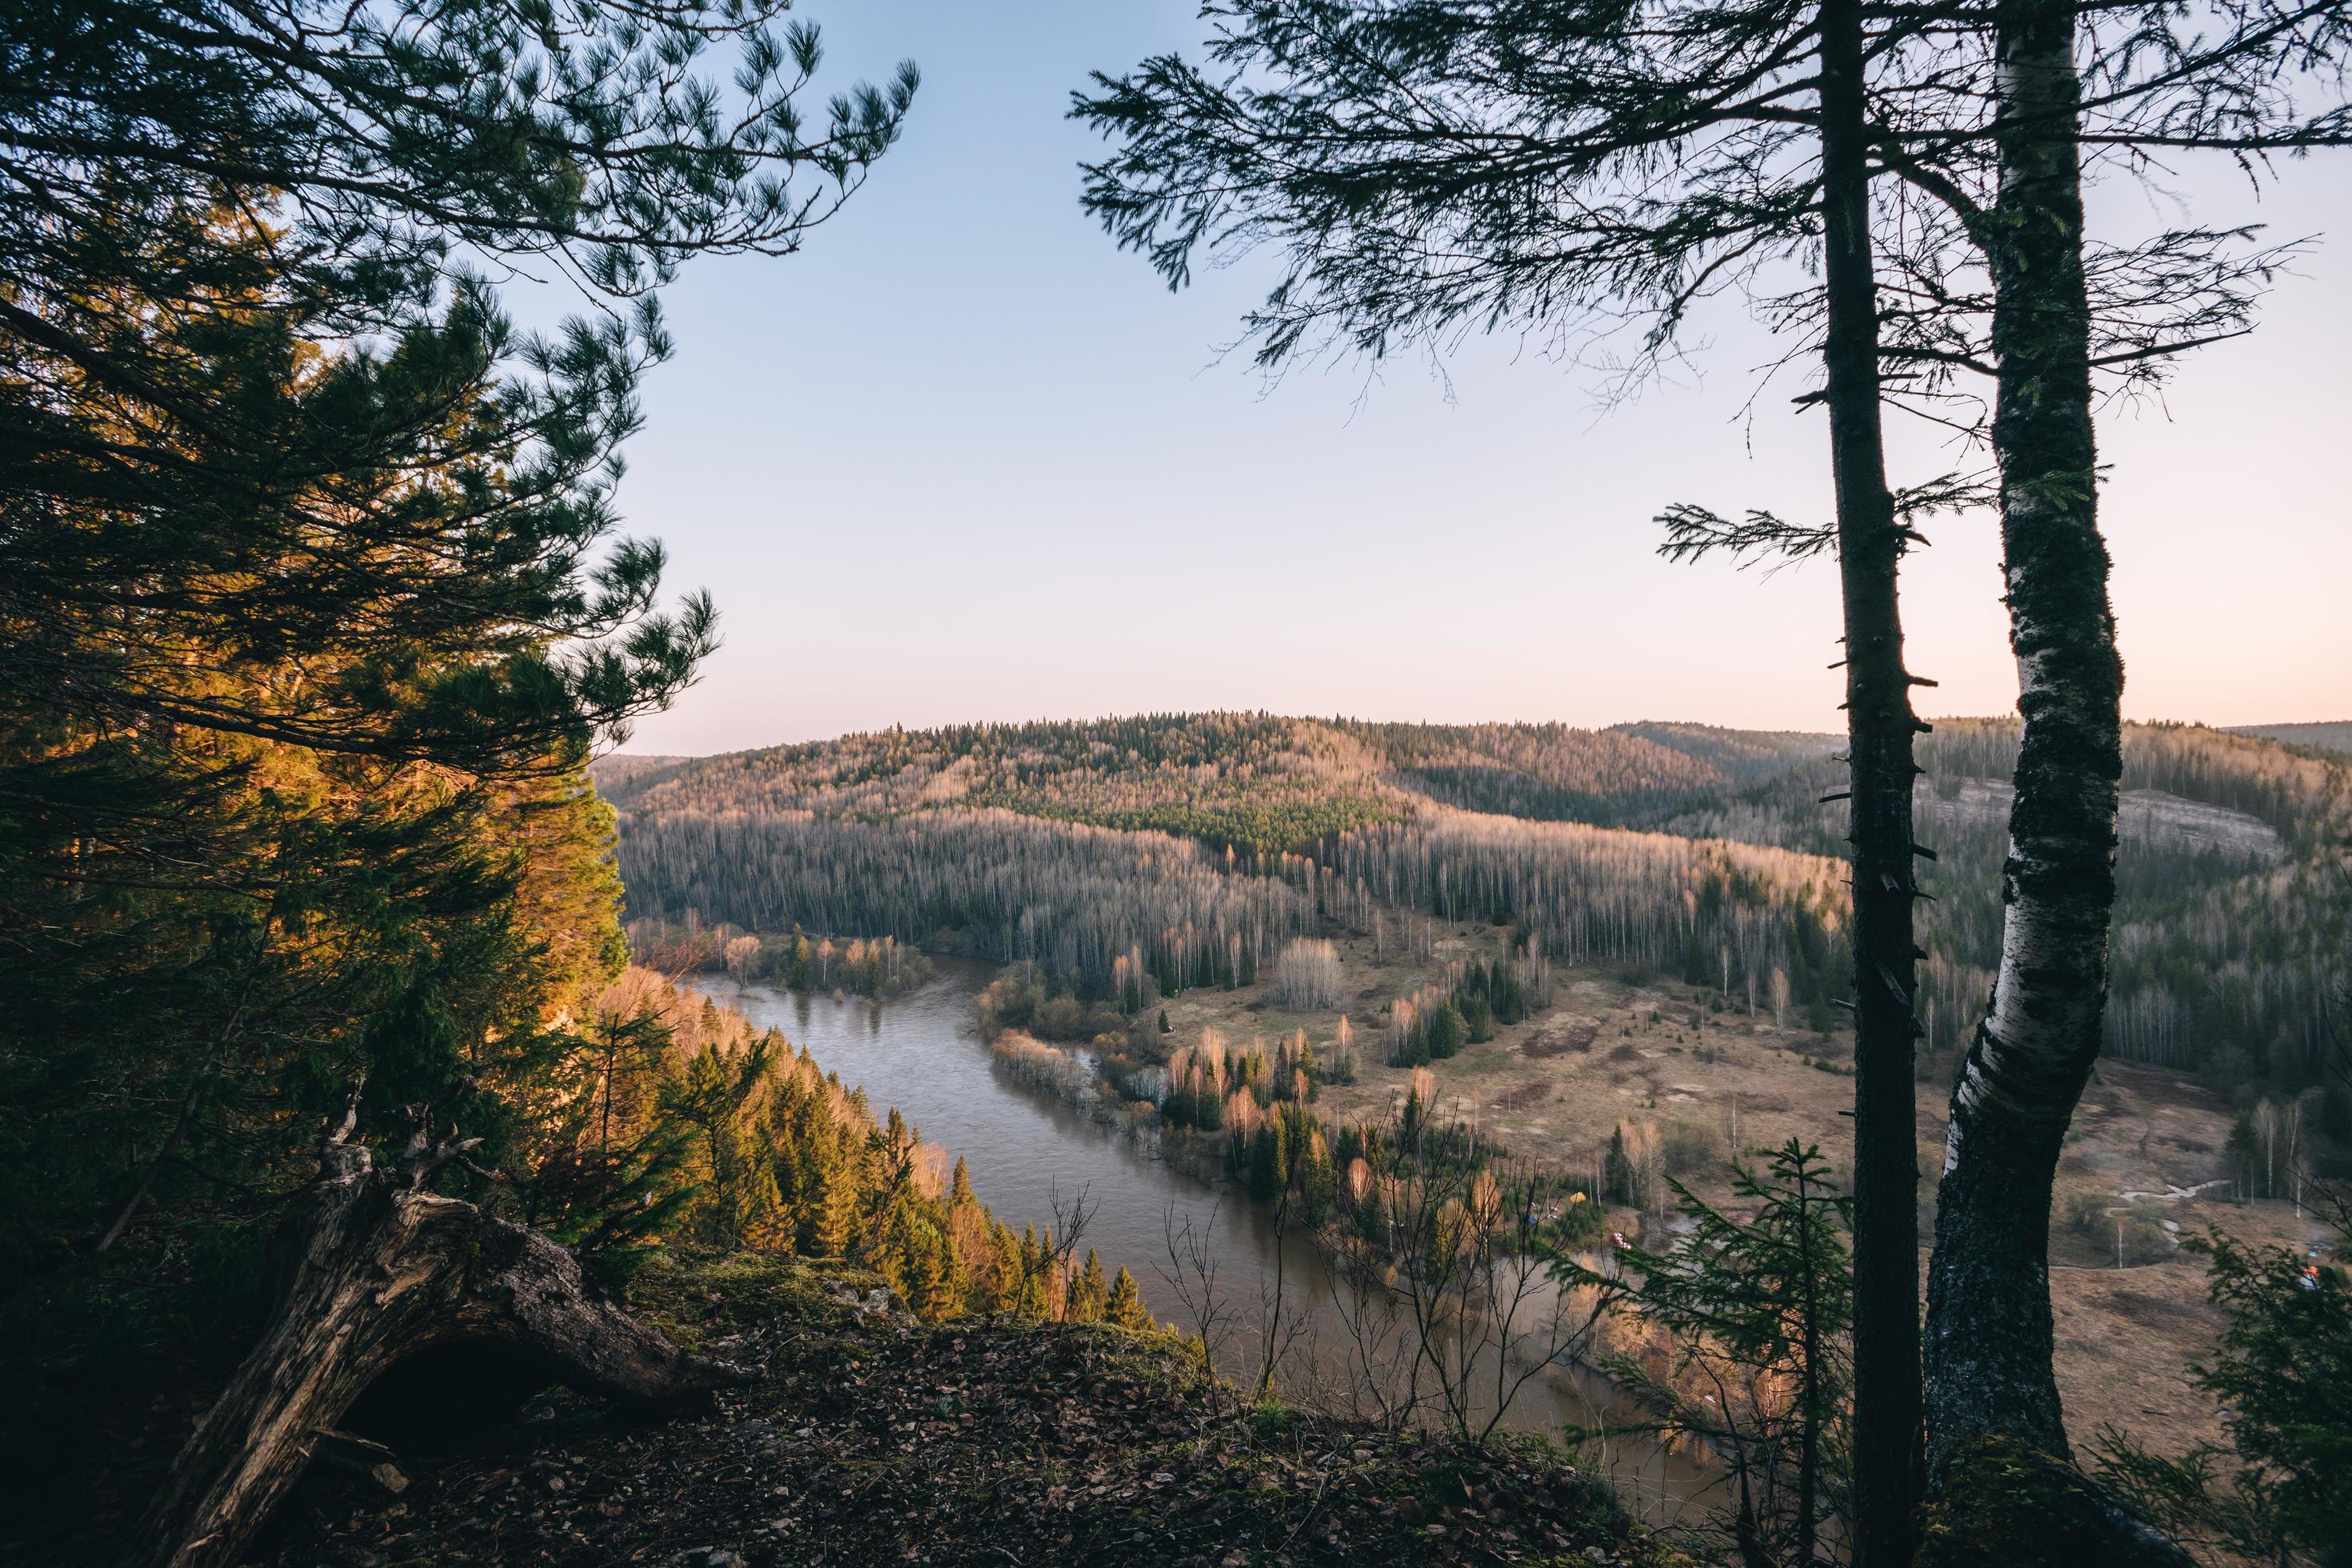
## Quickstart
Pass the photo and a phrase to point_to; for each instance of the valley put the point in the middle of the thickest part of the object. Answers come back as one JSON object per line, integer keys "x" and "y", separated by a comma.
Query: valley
{"x": 467, "y": 1096}
{"x": 1665, "y": 900}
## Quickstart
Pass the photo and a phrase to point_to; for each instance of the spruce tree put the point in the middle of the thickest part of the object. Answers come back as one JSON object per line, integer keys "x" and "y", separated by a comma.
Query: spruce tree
{"x": 836, "y": 1222}
{"x": 314, "y": 598}
{"x": 1447, "y": 1031}
{"x": 1617, "y": 1182}
{"x": 1125, "y": 1309}
{"x": 929, "y": 1273}
{"x": 1759, "y": 1307}
{"x": 1093, "y": 1295}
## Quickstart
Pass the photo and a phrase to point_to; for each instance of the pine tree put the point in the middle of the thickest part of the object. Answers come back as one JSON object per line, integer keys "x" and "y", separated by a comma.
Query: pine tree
{"x": 1268, "y": 1161}
{"x": 1092, "y": 1298}
{"x": 834, "y": 1225}
{"x": 1762, "y": 1306}
{"x": 1125, "y": 1309}
{"x": 930, "y": 1274}
{"x": 1030, "y": 1298}
{"x": 1447, "y": 1032}
{"x": 2243, "y": 1152}
{"x": 1617, "y": 1183}
{"x": 1318, "y": 1181}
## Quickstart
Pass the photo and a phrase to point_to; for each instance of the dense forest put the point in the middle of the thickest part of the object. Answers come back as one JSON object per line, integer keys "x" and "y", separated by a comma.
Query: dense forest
{"x": 2233, "y": 909}
{"x": 1706, "y": 854}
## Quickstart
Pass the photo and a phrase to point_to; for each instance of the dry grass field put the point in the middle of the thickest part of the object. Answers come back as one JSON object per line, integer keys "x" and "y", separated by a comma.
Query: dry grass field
{"x": 1552, "y": 1089}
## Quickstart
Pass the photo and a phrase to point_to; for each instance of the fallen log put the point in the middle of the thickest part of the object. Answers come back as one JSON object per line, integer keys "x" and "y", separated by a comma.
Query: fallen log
{"x": 370, "y": 1268}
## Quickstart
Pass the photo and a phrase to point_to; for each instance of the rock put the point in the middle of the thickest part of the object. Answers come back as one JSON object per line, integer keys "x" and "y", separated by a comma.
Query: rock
{"x": 388, "y": 1476}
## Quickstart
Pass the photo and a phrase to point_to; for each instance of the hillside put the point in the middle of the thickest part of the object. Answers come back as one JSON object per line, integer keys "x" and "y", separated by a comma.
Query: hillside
{"x": 1248, "y": 780}
{"x": 613, "y": 771}
{"x": 1256, "y": 781}
{"x": 866, "y": 1437}
{"x": 1202, "y": 842}
{"x": 2327, "y": 737}
{"x": 1607, "y": 777}
{"x": 1195, "y": 845}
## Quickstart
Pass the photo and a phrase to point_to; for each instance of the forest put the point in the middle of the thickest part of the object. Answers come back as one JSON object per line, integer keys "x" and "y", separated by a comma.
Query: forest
{"x": 372, "y": 1189}
{"x": 1705, "y": 854}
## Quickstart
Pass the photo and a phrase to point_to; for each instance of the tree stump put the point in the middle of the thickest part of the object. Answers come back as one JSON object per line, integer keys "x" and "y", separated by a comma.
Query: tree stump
{"x": 369, "y": 1268}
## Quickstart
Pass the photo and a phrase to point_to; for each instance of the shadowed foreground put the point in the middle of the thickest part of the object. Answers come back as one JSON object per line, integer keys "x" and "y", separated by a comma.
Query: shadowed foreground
{"x": 871, "y": 1438}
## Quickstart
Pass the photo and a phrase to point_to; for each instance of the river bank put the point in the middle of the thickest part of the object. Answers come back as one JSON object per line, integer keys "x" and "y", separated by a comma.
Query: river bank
{"x": 1031, "y": 1153}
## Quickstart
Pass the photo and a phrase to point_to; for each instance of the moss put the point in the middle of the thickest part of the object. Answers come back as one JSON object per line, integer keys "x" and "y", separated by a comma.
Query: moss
{"x": 681, "y": 1293}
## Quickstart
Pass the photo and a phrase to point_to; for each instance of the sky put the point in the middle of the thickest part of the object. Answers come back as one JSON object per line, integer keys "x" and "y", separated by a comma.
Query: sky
{"x": 963, "y": 459}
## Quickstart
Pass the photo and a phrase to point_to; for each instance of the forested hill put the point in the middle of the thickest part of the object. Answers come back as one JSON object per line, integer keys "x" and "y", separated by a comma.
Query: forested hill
{"x": 1196, "y": 844}
{"x": 2335, "y": 737}
{"x": 1554, "y": 773}
{"x": 1254, "y": 782}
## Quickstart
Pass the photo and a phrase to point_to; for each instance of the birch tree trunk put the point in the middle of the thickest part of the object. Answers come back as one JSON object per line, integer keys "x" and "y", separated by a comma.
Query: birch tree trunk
{"x": 1879, "y": 726}
{"x": 372, "y": 1269}
{"x": 1989, "y": 1325}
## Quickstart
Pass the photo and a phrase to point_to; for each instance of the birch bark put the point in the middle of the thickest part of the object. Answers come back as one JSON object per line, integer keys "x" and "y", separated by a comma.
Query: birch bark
{"x": 1988, "y": 1334}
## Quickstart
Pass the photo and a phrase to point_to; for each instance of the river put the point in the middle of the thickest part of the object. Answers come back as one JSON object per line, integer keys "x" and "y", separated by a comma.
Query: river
{"x": 1026, "y": 1150}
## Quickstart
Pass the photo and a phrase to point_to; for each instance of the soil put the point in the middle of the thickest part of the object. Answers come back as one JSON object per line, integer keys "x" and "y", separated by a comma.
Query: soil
{"x": 870, "y": 1439}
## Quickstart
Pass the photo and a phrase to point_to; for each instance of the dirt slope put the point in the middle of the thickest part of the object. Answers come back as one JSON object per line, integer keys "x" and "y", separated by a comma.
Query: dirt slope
{"x": 871, "y": 1439}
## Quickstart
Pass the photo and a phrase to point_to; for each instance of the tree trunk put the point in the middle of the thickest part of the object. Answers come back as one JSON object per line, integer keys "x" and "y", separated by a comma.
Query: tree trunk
{"x": 1879, "y": 727}
{"x": 370, "y": 1268}
{"x": 1988, "y": 1336}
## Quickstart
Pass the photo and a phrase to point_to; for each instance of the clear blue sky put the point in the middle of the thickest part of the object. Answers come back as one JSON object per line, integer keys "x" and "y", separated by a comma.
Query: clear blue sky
{"x": 963, "y": 459}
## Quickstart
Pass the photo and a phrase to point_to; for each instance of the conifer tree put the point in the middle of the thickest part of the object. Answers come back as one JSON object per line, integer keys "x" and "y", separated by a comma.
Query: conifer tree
{"x": 1125, "y": 1309}
{"x": 1091, "y": 1300}
{"x": 313, "y": 594}
{"x": 1759, "y": 1309}
{"x": 834, "y": 1224}
{"x": 1434, "y": 168}
{"x": 1447, "y": 1031}
{"x": 929, "y": 1273}
{"x": 1617, "y": 1182}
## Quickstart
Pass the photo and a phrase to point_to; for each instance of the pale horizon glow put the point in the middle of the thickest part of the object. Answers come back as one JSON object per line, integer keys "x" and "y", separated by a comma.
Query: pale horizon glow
{"x": 961, "y": 461}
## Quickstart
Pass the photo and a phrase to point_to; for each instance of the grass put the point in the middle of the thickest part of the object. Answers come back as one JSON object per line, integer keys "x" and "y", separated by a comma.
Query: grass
{"x": 2126, "y": 1338}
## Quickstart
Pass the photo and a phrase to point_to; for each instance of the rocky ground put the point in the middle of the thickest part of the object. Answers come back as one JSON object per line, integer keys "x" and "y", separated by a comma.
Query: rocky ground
{"x": 869, "y": 1439}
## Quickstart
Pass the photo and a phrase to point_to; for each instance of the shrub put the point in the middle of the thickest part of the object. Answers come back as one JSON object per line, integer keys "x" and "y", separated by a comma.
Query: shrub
{"x": 2086, "y": 1212}
{"x": 2145, "y": 1241}
{"x": 1580, "y": 1221}
{"x": 1690, "y": 1146}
